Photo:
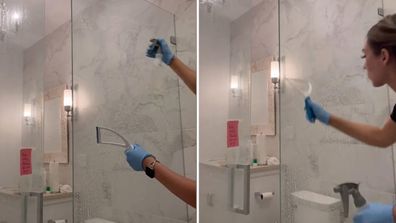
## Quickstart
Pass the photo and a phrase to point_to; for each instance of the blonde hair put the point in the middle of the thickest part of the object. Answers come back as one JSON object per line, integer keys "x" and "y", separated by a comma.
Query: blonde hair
{"x": 383, "y": 36}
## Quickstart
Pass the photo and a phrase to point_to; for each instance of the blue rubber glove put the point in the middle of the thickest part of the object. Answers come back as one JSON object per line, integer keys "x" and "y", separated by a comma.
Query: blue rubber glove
{"x": 135, "y": 155}
{"x": 375, "y": 213}
{"x": 314, "y": 111}
{"x": 160, "y": 44}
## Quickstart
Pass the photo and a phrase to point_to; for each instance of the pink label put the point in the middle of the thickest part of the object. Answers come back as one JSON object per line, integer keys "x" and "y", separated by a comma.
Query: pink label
{"x": 232, "y": 133}
{"x": 26, "y": 161}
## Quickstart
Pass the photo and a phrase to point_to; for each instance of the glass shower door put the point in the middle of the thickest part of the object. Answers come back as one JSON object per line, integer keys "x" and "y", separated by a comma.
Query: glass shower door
{"x": 321, "y": 43}
{"x": 117, "y": 86}
{"x": 22, "y": 65}
{"x": 238, "y": 40}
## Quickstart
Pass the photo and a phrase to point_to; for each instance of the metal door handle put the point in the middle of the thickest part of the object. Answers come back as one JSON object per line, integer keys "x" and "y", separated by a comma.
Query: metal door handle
{"x": 246, "y": 188}
{"x": 40, "y": 203}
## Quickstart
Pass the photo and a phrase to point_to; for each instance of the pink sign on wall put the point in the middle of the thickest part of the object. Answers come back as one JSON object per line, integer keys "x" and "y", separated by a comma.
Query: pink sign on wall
{"x": 26, "y": 161}
{"x": 232, "y": 133}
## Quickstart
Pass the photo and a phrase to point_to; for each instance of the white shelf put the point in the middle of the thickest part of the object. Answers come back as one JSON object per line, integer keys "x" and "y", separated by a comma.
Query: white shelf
{"x": 253, "y": 169}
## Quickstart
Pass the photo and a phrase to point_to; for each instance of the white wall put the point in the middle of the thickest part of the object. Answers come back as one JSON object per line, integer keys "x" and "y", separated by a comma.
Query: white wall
{"x": 214, "y": 85}
{"x": 11, "y": 65}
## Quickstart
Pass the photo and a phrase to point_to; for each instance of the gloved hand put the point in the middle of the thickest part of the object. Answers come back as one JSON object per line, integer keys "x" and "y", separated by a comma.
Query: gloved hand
{"x": 135, "y": 155}
{"x": 375, "y": 213}
{"x": 314, "y": 111}
{"x": 160, "y": 44}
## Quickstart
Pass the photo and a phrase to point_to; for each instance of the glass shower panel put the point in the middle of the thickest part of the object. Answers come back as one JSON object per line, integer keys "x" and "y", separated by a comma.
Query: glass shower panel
{"x": 321, "y": 43}
{"x": 238, "y": 40}
{"x": 22, "y": 64}
{"x": 117, "y": 86}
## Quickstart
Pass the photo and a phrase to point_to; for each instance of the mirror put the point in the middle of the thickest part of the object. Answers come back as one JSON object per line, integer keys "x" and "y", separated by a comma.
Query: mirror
{"x": 55, "y": 127}
{"x": 262, "y": 104}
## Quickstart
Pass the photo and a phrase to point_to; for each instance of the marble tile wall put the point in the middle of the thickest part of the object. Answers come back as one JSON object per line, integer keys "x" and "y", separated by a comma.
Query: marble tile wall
{"x": 118, "y": 87}
{"x": 321, "y": 41}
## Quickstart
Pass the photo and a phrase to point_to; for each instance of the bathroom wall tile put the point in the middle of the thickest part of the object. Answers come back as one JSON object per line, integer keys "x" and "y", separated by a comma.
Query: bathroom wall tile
{"x": 190, "y": 156}
{"x": 188, "y": 100}
{"x": 58, "y": 64}
{"x": 389, "y": 7}
{"x": 186, "y": 27}
{"x": 189, "y": 137}
{"x": 172, "y": 6}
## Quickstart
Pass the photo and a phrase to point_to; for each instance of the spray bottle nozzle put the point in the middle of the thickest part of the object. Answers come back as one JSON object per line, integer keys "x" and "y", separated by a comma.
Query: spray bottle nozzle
{"x": 345, "y": 190}
{"x": 157, "y": 45}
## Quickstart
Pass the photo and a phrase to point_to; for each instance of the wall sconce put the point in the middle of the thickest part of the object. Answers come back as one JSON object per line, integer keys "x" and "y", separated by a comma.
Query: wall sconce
{"x": 27, "y": 114}
{"x": 68, "y": 101}
{"x": 275, "y": 72}
{"x": 235, "y": 88}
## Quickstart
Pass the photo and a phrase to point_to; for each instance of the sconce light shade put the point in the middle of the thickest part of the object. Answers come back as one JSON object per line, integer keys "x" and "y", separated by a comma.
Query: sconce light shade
{"x": 235, "y": 86}
{"x": 27, "y": 110}
{"x": 234, "y": 82}
{"x": 275, "y": 71}
{"x": 67, "y": 100}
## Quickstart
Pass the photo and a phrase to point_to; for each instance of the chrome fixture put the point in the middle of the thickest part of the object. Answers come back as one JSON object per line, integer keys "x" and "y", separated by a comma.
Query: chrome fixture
{"x": 275, "y": 72}
{"x": 68, "y": 101}
{"x": 10, "y": 21}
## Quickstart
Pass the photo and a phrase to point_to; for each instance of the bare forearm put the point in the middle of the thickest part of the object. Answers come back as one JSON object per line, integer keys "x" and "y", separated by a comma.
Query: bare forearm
{"x": 185, "y": 73}
{"x": 394, "y": 214}
{"x": 365, "y": 133}
{"x": 180, "y": 186}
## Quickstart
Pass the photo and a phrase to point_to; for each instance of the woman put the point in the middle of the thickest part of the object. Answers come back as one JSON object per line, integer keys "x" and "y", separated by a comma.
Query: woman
{"x": 379, "y": 53}
{"x": 141, "y": 160}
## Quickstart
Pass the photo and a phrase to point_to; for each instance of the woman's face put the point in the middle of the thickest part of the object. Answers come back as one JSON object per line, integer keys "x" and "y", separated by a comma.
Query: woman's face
{"x": 375, "y": 66}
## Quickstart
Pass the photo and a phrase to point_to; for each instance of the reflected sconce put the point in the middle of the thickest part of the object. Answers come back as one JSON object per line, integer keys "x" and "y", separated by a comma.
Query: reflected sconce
{"x": 235, "y": 86}
{"x": 275, "y": 72}
{"x": 68, "y": 101}
{"x": 10, "y": 20}
{"x": 27, "y": 114}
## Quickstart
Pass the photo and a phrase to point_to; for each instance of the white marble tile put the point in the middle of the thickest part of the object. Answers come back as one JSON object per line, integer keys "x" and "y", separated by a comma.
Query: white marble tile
{"x": 188, "y": 100}
{"x": 186, "y": 27}
{"x": 389, "y": 7}
{"x": 190, "y": 156}
{"x": 173, "y": 6}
